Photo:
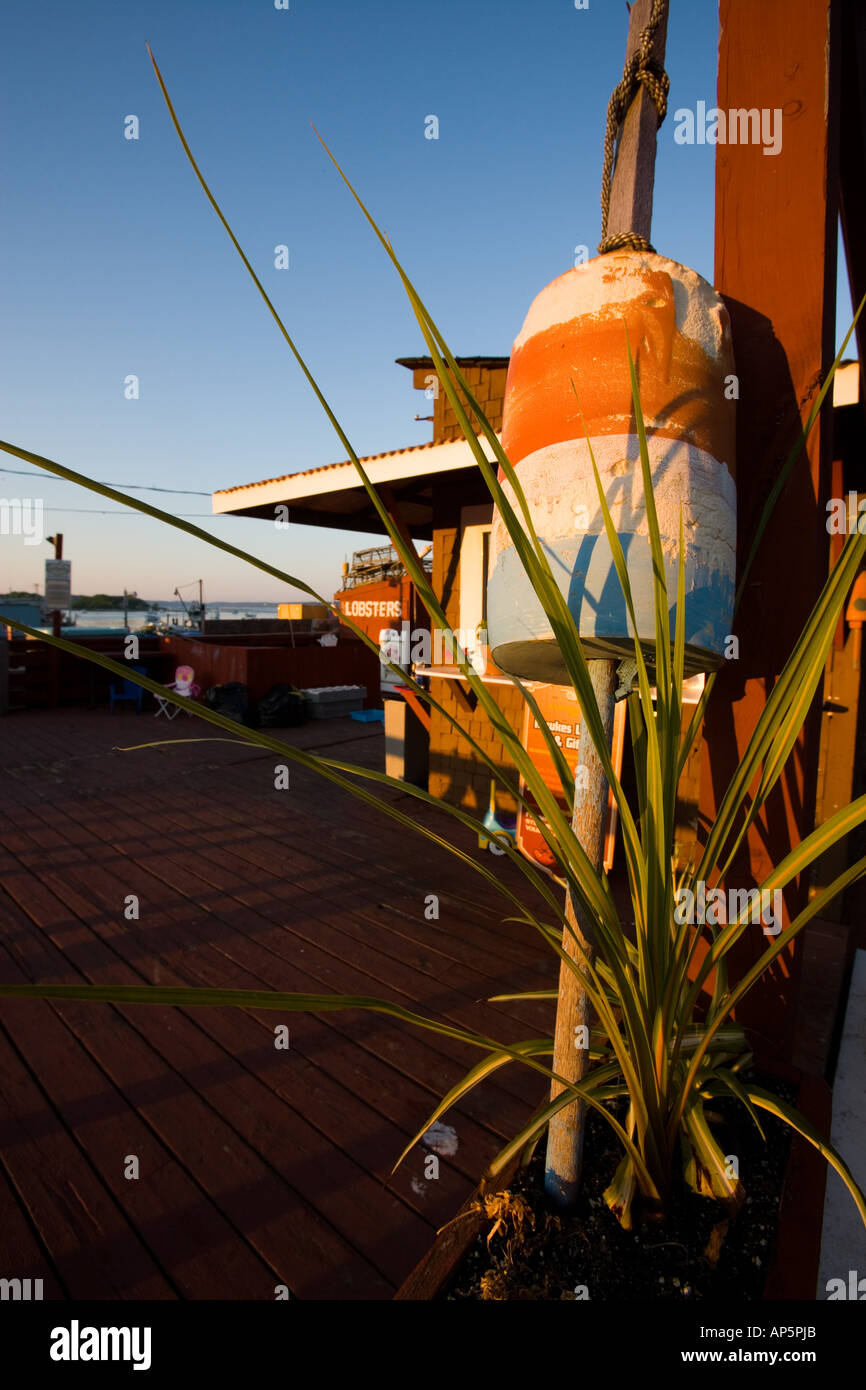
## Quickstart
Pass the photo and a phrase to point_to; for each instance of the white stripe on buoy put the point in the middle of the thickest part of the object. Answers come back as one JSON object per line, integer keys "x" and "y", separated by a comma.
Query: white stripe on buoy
{"x": 560, "y": 488}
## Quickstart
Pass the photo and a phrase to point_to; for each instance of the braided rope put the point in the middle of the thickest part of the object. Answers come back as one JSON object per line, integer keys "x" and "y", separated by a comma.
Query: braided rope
{"x": 632, "y": 240}
{"x": 641, "y": 70}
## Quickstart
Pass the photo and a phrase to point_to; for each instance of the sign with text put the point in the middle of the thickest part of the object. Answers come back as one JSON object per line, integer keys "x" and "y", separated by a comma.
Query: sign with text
{"x": 58, "y": 583}
{"x": 560, "y": 709}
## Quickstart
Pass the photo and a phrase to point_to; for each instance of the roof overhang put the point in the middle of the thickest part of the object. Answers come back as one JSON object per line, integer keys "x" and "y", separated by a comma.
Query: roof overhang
{"x": 417, "y": 363}
{"x": 333, "y": 496}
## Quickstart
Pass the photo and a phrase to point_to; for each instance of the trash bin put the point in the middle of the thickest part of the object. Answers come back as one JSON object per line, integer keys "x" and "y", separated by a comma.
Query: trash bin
{"x": 284, "y": 707}
{"x": 231, "y": 699}
{"x": 407, "y": 744}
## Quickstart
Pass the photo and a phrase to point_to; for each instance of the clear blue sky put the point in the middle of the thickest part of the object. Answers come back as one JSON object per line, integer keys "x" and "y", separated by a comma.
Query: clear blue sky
{"x": 113, "y": 262}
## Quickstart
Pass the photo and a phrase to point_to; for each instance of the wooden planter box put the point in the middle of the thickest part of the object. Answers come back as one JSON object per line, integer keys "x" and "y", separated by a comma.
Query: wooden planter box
{"x": 793, "y": 1274}
{"x": 796, "y": 1262}
{"x": 436, "y": 1267}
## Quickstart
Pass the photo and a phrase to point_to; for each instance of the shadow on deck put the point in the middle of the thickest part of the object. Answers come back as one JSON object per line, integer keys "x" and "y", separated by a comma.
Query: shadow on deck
{"x": 257, "y": 1167}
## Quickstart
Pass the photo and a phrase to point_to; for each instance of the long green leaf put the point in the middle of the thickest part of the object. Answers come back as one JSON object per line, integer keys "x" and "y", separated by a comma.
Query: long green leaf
{"x": 767, "y": 1101}
{"x": 592, "y": 895}
{"x": 331, "y": 768}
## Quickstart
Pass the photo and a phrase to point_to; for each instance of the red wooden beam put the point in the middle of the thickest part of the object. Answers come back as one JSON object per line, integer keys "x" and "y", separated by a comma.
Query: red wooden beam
{"x": 852, "y": 153}
{"x": 415, "y": 705}
{"x": 776, "y": 219}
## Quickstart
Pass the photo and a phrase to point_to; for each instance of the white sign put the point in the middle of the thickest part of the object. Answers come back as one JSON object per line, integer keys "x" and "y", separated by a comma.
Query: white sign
{"x": 58, "y": 581}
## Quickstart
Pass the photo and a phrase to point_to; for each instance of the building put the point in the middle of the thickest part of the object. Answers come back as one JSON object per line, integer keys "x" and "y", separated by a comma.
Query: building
{"x": 433, "y": 492}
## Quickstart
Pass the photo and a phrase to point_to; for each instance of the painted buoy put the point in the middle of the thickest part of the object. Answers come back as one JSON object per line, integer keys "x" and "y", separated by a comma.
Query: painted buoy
{"x": 575, "y": 332}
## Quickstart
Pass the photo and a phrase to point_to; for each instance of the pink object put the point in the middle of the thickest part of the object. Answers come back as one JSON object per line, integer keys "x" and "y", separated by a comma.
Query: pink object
{"x": 184, "y": 683}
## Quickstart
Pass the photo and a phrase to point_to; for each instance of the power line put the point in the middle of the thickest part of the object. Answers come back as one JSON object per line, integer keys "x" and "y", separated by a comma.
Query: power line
{"x": 134, "y": 487}
{"x": 94, "y": 511}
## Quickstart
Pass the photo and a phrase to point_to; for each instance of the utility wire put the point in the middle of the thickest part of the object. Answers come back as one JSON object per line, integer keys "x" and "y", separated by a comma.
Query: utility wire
{"x": 94, "y": 511}
{"x": 134, "y": 487}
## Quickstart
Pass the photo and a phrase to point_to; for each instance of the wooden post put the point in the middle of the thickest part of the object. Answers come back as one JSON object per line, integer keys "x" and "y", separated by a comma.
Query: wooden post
{"x": 631, "y": 200}
{"x": 56, "y": 614}
{"x": 631, "y": 193}
{"x": 781, "y": 55}
{"x": 56, "y": 628}
{"x": 570, "y": 1057}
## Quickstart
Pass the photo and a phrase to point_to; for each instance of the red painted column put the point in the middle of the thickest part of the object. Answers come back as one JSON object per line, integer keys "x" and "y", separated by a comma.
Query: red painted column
{"x": 775, "y": 264}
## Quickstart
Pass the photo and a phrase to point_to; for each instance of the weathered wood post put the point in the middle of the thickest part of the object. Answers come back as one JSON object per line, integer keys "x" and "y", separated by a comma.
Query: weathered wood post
{"x": 573, "y": 1014}
{"x": 630, "y": 211}
{"x": 786, "y": 57}
{"x": 568, "y": 376}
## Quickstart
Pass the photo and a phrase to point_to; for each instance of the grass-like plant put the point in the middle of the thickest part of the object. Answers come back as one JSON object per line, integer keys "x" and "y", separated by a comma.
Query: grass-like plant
{"x": 659, "y": 1044}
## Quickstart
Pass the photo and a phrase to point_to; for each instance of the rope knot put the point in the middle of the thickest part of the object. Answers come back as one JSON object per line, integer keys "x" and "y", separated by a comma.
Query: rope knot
{"x": 642, "y": 69}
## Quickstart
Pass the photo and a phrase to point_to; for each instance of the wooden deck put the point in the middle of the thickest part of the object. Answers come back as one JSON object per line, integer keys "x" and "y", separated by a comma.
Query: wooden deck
{"x": 257, "y": 1167}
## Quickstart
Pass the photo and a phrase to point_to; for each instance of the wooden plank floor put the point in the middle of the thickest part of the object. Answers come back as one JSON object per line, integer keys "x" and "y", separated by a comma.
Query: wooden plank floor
{"x": 257, "y": 1167}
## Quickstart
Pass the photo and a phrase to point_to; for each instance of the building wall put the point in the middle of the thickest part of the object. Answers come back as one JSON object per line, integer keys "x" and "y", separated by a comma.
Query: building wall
{"x": 258, "y": 667}
{"x": 41, "y": 676}
{"x": 488, "y": 388}
{"x": 487, "y": 385}
{"x": 457, "y": 774}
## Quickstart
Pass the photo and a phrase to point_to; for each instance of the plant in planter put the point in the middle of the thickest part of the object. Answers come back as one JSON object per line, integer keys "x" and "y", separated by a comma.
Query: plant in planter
{"x": 662, "y": 1055}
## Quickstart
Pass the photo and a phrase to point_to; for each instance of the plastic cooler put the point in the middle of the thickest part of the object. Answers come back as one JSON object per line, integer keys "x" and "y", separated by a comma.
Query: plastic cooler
{"x": 334, "y": 701}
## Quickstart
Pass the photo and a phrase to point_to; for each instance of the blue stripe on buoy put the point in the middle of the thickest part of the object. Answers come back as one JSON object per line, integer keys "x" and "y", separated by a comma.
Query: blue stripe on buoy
{"x": 584, "y": 571}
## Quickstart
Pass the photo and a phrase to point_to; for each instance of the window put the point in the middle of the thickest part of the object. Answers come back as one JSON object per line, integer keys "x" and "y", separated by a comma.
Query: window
{"x": 475, "y": 524}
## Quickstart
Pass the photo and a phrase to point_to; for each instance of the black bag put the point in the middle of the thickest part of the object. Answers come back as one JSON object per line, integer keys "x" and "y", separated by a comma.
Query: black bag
{"x": 284, "y": 707}
{"x": 231, "y": 700}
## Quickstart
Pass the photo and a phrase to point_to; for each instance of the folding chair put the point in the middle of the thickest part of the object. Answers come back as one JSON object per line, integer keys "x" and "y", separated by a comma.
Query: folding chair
{"x": 164, "y": 706}
{"x": 127, "y": 692}
{"x": 184, "y": 683}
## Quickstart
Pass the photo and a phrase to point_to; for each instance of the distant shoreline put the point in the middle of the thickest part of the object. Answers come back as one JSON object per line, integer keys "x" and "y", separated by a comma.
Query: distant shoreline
{"x": 84, "y": 603}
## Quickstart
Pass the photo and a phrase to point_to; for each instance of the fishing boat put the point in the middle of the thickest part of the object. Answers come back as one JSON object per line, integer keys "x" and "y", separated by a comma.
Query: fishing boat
{"x": 194, "y": 611}
{"x": 378, "y": 595}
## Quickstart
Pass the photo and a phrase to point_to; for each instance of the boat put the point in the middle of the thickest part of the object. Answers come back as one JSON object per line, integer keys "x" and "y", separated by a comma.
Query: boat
{"x": 193, "y": 612}
{"x": 379, "y": 597}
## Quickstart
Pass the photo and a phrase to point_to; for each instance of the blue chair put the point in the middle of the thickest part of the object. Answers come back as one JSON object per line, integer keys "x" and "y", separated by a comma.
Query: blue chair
{"x": 127, "y": 692}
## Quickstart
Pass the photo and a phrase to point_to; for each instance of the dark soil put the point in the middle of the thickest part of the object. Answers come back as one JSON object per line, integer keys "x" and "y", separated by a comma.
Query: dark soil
{"x": 697, "y": 1251}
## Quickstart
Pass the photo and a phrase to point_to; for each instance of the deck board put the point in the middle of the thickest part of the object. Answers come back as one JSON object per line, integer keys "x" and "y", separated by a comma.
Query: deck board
{"x": 258, "y": 1166}
{"x": 188, "y": 1092}
{"x": 264, "y": 942}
